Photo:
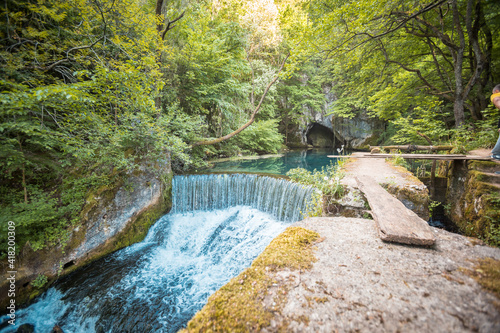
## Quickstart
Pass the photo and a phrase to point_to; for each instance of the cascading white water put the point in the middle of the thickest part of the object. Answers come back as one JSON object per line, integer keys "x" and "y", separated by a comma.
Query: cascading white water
{"x": 279, "y": 197}
{"x": 157, "y": 285}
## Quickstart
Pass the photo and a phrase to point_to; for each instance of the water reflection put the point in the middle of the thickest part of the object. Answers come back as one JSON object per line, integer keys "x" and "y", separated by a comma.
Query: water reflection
{"x": 307, "y": 159}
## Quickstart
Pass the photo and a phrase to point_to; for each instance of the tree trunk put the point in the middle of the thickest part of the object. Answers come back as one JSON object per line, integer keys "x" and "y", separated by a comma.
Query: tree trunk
{"x": 458, "y": 109}
{"x": 458, "y": 105}
{"x": 25, "y": 189}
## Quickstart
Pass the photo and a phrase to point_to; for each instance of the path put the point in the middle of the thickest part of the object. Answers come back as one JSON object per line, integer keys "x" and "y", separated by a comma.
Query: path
{"x": 380, "y": 171}
{"x": 362, "y": 284}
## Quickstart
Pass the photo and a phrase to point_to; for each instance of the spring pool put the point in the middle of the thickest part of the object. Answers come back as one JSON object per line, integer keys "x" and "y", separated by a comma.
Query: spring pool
{"x": 277, "y": 164}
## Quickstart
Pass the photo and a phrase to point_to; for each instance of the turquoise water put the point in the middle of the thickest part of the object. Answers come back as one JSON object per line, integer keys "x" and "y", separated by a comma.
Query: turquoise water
{"x": 279, "y": 165}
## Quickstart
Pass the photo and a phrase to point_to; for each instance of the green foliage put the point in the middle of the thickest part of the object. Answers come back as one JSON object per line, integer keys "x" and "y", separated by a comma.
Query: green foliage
{"x": 430, "y": 122}
{"x": 327, "y": 180}
{"x": 363, "y": 43}
{"x": 399, "y": 161}
{"x": 300, "y": 92}
{"x": 78, "y": 87}
{"x": 89, "y": 89}
{"x": 314, "y": 207}
{"x": 432, "y": 206}
{"x": 478, "y": 133}
{"x": 215, "y": 69}
{"x": 41, "y": 220}
{"x": 493, "y": 232}
{"x": 40, "y": 281}
{"x": 260, "y": 137}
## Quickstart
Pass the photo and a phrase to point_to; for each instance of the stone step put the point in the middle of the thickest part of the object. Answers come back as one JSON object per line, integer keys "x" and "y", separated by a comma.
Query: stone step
{"x": 488, "y": 177}
{"x": 485, "y": 166}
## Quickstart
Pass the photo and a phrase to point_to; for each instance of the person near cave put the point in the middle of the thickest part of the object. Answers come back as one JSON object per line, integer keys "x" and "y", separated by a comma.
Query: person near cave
{"x": 495, "y": 99}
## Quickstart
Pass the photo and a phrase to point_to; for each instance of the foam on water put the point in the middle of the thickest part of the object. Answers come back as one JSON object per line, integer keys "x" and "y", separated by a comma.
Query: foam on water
{"x": 159, "y": 284}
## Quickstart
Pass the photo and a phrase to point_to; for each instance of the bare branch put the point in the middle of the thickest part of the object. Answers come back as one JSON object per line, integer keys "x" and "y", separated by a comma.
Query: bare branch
{"x": 170, "y": 26}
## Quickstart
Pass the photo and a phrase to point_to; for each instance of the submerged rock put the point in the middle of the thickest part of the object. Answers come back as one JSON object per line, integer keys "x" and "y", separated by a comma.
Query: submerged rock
{"x": 26, "y": 328}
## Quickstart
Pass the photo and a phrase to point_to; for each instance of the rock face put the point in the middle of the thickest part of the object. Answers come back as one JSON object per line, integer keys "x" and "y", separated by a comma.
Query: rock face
{"x": 321, "y": 129}
{"x": 112, "y": 218}
{"x": 474, "y": 205}
{"x": 362, "y": 284}
{"x": 109, "y": 215}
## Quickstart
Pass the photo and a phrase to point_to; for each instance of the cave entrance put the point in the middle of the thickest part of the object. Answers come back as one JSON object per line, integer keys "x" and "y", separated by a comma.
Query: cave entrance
{"x": 320, "y": 136}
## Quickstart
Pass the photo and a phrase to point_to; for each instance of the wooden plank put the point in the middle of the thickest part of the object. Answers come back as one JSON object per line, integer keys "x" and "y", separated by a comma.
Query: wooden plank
{"x": 395, "y": 222}
{"x": 414, "y": 147}
{"x": 416, "y": 156}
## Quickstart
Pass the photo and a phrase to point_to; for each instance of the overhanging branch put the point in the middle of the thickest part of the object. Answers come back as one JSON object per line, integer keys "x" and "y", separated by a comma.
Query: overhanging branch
{"x": 252, "y": 117}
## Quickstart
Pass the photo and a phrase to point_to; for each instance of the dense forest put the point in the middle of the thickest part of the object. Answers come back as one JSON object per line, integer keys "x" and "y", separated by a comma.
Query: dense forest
{"x": 90, "y": 88}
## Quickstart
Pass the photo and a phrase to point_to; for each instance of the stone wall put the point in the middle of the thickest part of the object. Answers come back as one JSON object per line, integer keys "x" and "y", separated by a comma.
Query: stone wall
{"x": 473, "y": 199}
{"x": 112, "y": 218}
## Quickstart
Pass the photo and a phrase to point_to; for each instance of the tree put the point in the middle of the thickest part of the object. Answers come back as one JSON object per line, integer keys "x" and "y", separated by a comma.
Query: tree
{"x": 222, "y": 60}
{"x": 78, "y": 84}
{"x": 252, "y": 116}
{"x": 445, "y": 46}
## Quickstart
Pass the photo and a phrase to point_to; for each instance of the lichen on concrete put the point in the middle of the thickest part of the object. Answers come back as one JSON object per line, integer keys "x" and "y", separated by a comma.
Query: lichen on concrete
{"x": 487, "y": 273}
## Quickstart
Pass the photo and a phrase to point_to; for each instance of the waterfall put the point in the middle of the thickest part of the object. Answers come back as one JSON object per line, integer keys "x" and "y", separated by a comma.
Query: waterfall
{"x": 219, "y": 224}
{"x": 283, "y": 199}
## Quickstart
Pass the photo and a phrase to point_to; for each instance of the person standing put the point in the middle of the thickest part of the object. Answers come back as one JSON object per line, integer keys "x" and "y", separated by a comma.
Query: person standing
{"x": 495, "y": 99}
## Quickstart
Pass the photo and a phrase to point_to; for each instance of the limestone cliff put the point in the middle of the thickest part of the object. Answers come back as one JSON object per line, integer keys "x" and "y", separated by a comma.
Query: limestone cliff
{"x": 113, "y": 217}
{"x": 322, "y": 129}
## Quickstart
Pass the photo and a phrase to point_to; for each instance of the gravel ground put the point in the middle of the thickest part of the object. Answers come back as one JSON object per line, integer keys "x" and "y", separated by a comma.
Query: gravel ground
{"x": 362, "y": 284}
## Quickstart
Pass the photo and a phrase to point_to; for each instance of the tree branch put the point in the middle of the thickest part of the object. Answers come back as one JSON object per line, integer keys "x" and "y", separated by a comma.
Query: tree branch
{"x": 446, "y": 79}
{"x": 473, "y": 32}
{"x": 390, "y": 30}
{"x": 76, "y": 48}
{"x": 252, "y": 117}
{"x": 170, "y": 26}
{"x": 435, "y": 91}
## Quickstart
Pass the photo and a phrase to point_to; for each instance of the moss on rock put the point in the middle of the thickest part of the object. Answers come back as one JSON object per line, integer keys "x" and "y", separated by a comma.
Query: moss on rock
{"x": 238, "y": 305}
{"x": 54, "y": 262}
{"x": 475, "y": 201}
{"x": 416, "y": 200}
{"x": 487, "y": 274}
